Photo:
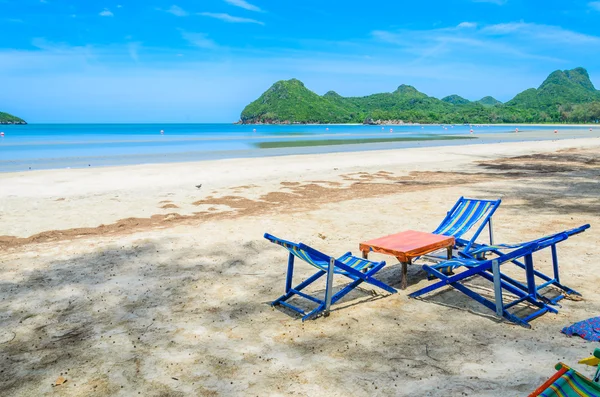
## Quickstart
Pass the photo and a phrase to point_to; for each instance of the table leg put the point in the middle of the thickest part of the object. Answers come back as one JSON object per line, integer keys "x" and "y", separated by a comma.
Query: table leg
{"x": 404, "y": 281}
{"x": 450, "y": 272}
{"x": 365, "y": 254}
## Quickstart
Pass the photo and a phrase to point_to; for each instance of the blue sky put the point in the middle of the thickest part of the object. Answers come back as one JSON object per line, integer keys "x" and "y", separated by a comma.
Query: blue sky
{"x": 204, "y": 60}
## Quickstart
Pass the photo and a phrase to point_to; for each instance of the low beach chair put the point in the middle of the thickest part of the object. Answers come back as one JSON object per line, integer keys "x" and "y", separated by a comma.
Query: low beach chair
{"x": 546, "y": 280}
{"x": 478, "y": 265}
{"x": 567, "y": 383}
{"x": 465, "y": 214}
{"x": 461, "y": 218}
{"x": 357, "y": 269}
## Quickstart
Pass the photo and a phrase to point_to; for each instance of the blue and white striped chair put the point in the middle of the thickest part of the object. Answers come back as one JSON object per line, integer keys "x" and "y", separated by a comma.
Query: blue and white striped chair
{"x": 357, "y": 269}
{"x": 465, "y": 214}
{"x": 490, "y": 269}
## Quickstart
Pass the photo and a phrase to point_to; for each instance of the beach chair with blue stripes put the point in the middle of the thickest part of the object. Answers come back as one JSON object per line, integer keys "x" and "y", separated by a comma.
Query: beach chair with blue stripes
{"x": 463, "y": 216}
{"x": 489, "y": 268}
{"x": 356, "y": 269}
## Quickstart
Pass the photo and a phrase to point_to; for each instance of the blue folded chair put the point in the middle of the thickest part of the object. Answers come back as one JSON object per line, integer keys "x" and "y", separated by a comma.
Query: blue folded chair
{"x": 478, "y": 265}
{"x": 463, "y": 216}
{"x": 357, "y": 269}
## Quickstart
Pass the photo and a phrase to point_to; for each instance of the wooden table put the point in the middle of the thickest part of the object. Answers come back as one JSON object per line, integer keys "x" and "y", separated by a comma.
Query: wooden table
{"x": 406, "y": 246}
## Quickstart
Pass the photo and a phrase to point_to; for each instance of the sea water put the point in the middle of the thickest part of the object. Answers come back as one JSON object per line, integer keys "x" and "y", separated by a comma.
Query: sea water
{"x": 44, "y": 146}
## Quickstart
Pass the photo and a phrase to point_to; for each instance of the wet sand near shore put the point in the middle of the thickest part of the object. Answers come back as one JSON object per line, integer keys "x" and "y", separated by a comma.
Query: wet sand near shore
{"x": 127, "y": 280}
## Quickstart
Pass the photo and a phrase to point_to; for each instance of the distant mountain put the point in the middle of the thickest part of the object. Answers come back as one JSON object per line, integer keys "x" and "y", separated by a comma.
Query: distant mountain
{"x": 456, "y": 100}
{"x": 489, "y": 101}
{"x": 562, "y": 87}
{"x": 564, "y": 96}
{"x": 6, "y": 118}
{"x": 409, "y": 91}
{"x": 291, "y": 101}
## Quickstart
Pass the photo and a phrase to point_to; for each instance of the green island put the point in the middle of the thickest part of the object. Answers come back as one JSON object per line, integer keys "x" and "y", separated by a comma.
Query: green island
{"x": 6, "y": 118}
{"x": 565, "y": 96}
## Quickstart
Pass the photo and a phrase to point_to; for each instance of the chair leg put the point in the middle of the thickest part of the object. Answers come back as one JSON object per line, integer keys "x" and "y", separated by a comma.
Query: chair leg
{"x": 330, "y": 298}
{"x": 329, "y": 285}
{"x": 299, "y": 287}
{"x": 373, "y": 281}
{"x": 314, "y": 312}
{"x": 490, "y": 305}
{"x": 290, "y": 273}
{"x": 549, "y": 280}
{"x": 454, "y": 281}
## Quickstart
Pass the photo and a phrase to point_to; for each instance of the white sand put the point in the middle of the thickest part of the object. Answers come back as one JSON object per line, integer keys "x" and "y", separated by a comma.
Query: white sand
{"x": 179, "y": 306}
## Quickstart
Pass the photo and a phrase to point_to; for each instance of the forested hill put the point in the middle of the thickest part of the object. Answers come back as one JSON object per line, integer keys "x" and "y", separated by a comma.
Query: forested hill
{"x": 565, "y": 96}
{"x": 6, "y": 118}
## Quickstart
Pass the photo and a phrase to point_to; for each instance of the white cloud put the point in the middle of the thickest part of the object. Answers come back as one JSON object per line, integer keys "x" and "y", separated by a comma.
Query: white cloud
{"x": 106, "y": 13}
{"x": 498, "y": 2}
{"x": 133, "y": 51}
{"x": 542, "y": 33}
{"x": 502, "y": 40}
{"x": 505, "y": 28}
{"x": 594, "y": 5}
{"x": 244, "y": 4}
{"x": 177, "y": 11}
{"x": 230, "y": 18}
{"x": 467, "y": 25}
{"x": 200, "y": 40}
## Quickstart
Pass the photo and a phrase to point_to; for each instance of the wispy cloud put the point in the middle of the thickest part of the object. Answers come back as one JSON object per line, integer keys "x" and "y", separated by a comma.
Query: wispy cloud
{"x": 230, "y": 18}
{"x": 244, "y": 4}
{"x": 106, "y": 13}
{"x": 516, "y": 40}
{"x": 177, "y": 11}
{"x": 504, "y": 28}
{"x": 467, "y": 25}
{"x": 199, "y": 40}
{"x": 49, "y": 53}
{"x": 133, "y": 51}
{"x": 539, "y": 32}
{"x": 498, "y": 2}
{"x": 594, "y": 5}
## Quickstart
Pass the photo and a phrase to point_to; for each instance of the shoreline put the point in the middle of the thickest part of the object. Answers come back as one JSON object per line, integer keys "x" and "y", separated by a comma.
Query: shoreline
{"x": 146, "y": 184}
{"x": 344, "y": 144}
{"x": 272, "y": 155}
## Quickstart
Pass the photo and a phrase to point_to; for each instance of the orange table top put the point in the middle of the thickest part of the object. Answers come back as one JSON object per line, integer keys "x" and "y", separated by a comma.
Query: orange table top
{"x": 408, "y": 244}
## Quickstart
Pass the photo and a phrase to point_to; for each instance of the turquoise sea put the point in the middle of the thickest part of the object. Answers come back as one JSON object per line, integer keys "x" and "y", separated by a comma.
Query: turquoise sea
{"x": 45, "y": 146}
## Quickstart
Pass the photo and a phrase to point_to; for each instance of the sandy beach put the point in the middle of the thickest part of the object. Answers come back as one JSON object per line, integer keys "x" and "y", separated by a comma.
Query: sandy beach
{"x": 133, "y": 281}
